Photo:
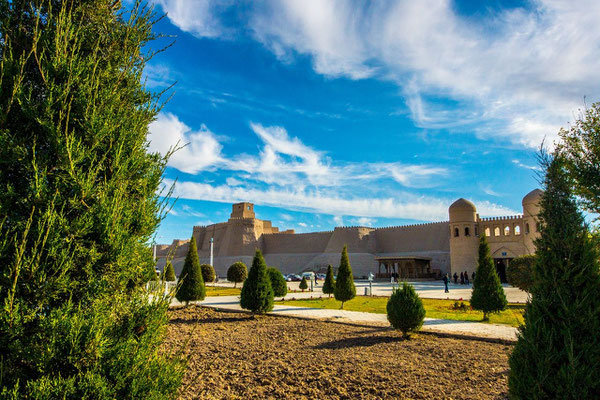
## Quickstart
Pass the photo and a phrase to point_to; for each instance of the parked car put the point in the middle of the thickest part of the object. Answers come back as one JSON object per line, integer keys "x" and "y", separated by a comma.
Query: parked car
{"x": 309, "y": 276}
{"x": 321, "y": 276}
{"x": 295, "y": 278}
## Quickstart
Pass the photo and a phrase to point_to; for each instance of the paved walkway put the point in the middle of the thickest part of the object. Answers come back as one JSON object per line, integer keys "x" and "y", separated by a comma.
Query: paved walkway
{"x": 425, "y": 289}
{"x": 463, "y": 328}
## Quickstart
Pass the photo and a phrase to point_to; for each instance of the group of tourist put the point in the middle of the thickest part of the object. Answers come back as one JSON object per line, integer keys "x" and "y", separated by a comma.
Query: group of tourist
{"x": 464, "y": 279}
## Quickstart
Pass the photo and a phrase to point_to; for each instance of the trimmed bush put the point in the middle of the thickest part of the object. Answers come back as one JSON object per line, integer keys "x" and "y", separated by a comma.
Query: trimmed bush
{"x": 488, "y": 294}
{"x": 303, "y": 284}
{"x": 329, "y": 284}
{"x": 237, "y": 272}
{"x": 344, "y": 286}
{"x": 192, "y": 285}
{"x": 405, "y": 310}
{"x": 558, "y": 350}
{"x": 208, "y": 273}
{"x": 520, "y": 272}
{"x": 169, "y": 272}
{"x": 257, "y": 293}
{"x": 278, "y": 282}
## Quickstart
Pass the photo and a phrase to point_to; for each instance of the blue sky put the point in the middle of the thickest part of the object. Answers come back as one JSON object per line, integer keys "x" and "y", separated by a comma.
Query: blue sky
{"x": 329, "y": 113}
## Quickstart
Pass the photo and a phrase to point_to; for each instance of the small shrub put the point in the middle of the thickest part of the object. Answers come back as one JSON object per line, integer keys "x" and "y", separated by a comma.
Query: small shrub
{"x": 278, "y": 282}
{"x": 344, "y": 286}
{"x": 405, "y": 310}
{"x": 257, "y": 293}
{"x": 520, "y": 272}
{"x": 488, "y": 294}
{"x": 329, "y": 284}
{"x": 169, "y": 272}
{"x": 237, "y": 272}
{"x": 192, "y": 285}
{"x": 303, "y": 284}
{"x": 208, "y": 273}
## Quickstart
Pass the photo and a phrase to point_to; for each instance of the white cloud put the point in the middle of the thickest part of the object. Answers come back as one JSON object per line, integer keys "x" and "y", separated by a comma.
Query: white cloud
{"x": 412, "y": 207}
{"x": 198, "y": 17}
{"x": 517, "y": 74}
{"x": 302, "y": 224}
{"x": 531, "y": 167}
{"x": 201, "y": 148}
{"x": 364, "y": 221}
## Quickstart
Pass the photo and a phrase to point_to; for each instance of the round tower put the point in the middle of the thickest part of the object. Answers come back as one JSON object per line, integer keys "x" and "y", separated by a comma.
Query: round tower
{"x": 531, "y": 209}
{"x": 464, "y": 240}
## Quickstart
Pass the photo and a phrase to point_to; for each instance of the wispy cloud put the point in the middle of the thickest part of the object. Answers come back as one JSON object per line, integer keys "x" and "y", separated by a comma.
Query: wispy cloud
{"x": 516, "y": 74}
{"x": 411, "y": 207}
{"x": 531, "y": 167}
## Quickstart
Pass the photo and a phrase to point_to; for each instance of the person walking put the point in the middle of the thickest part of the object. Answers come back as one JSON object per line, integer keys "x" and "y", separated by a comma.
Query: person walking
{"x": 455, "y": 278}
{"x": 473, "y": 277}
{"x": 445, "y": 279}
{"x": 466, "y": 278}
{"x": 462, "y": 278}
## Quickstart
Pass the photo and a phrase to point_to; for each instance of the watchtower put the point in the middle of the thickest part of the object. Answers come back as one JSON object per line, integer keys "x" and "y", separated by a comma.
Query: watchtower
{"x": 242, "y": 210}
{"x": 464, "y": 237}
{"x": 531, "y": 209}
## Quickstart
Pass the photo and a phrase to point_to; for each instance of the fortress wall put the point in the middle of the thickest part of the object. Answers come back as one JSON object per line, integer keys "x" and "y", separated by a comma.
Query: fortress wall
{"x": 358, "y": 240}
{"x": 496, "y": 229}
{"x": 414, "y": 238}
{"x": 362, "y": 263}
{"x": 277, "y": 243}
{"x": 239, "y": 238}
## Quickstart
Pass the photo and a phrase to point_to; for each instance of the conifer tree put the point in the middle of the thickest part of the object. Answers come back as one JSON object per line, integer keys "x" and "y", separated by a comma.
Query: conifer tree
{"x": 78, "y": 204}
{"x": 488, "y": 294}
{"x": 405, "y": 310}
{"x": 278, "y": 282}
{"x": 303, "y": 284}
{"x": 208, "y": 273}
{"x": 192, "y": 284}
{"x": 237, "y": 272}
{"x": 344, "y": 285}
{"x": 257, "y": 293}
{"x": 169, "y": 272}
{"x": 329, "y": 284}
{"x": 557, "y": 355}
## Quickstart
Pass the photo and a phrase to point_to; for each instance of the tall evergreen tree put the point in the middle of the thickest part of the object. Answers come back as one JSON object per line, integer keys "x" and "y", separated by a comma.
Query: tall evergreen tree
{"x": 78, "y": 205}
{"x": 488, "y": 294}
{"x": 557, "y": 355}
{"x": 329, "y": 284}
{"x": 169, "y": 272}
{"x": 344, "y": 285}
{"x": 257, "y": 293}
{"x": 192, "y": 284}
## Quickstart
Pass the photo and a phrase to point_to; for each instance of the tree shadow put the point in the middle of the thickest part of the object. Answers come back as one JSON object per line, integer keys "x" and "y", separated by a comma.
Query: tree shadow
{"x": 360, "y": 341}
{"x": 212, "y": 320}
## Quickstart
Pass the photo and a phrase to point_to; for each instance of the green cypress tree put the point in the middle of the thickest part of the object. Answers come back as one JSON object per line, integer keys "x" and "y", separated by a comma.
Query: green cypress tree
{"x": 257, "y": 293}
{"x": 488, "y": 294}
{"x": 344, "y": 285}
{"x": 520, "y": 272}
{"x": 78, "y": 204}
{"x": 303, "y": 284}
{"x": 557, "y": 355}
{"x": 208, "y": 273}
{"x": 192, "y": 285}
{"x": 278, "y": 282}
{"x": 329, "y": 284}
{"x": 237, "y": 272}
{"x": 169, "y": 272}
{"x": 405, "y": 310}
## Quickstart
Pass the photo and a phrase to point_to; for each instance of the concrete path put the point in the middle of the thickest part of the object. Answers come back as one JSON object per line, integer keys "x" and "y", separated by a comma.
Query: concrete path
{"x": 463, "y": 328}
{"x": 425, "y": 289}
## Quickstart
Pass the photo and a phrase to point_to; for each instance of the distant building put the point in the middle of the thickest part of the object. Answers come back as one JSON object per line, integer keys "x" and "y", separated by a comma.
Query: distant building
{"x": 411, "y": 251}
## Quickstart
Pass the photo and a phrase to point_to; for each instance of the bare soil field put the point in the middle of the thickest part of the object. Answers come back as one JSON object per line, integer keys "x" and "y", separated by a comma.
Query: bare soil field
{"x": 235, "y": 356}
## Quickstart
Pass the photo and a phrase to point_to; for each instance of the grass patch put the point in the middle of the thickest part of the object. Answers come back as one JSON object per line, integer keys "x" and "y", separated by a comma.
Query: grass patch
{"x": 435, "y": 308}
{"x": 212, "y": 291}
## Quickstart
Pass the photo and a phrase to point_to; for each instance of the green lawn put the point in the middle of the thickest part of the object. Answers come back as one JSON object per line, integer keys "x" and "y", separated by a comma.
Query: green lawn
{"x": 212, "y": 291}
{"x": 434, "y": 308}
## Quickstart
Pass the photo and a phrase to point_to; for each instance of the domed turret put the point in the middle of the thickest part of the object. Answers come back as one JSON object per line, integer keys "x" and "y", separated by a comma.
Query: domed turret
{"x": 531, "y": 202}
{"x": 462, "y": 210}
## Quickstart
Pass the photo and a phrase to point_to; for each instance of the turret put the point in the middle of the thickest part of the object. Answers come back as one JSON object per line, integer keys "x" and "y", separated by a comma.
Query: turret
{"x": 464, "y": 240}
{"x": 242, "y": 210}
{"x": 531, "y": 209}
